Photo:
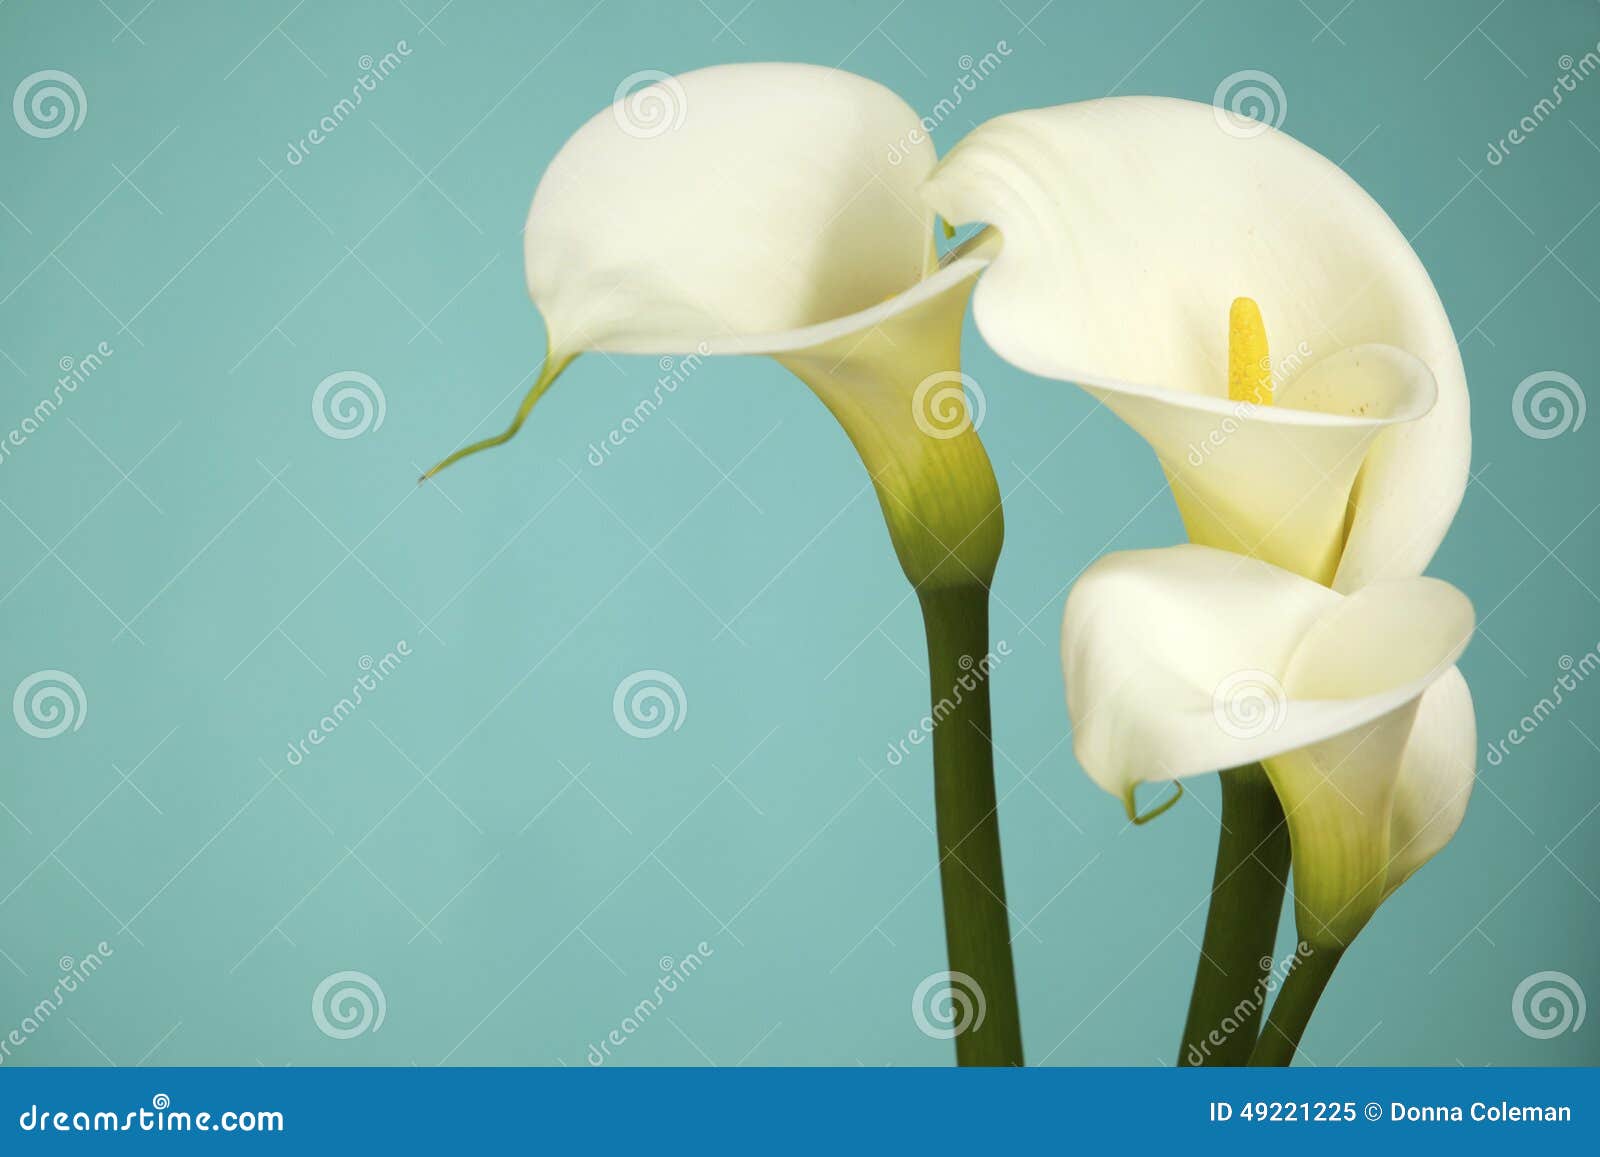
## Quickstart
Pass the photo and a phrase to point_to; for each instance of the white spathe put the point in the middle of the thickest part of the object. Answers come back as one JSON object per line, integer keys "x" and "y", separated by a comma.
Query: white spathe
{"x": 762, "y": 201}
{"x": 1129, "y": 225}
{"x": 755, "y": 209}
{"x": 1188, "y": 660}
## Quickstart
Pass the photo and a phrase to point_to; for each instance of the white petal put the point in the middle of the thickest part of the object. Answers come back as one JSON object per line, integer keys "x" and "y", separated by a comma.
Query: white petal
{"x": 1274, "y": 482}
{"x": 1188, "y": 660}
{"x": 891, "y": 376}
{"x": 1129, "y": 226}
{"x": 773, "y": 209}
{"x": 1436, "y": 777}
{"x": 764, "y": 198}
{"x": 1383, "y": 647}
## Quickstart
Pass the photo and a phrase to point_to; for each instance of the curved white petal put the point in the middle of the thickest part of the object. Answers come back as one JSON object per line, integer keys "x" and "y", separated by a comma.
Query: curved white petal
{"x": 1274, "y": 482}
{"x": 1173, "y": 661}
{"x": 773, "y": 209}
{"x": 1386, "y": 645}
{"x": 761, "y": 199}
{"x": 1190, "y": 659}
{"x": 1129, "y": 226}
{"x": 1436, "y": 777}
{"x": 891, "y": 376}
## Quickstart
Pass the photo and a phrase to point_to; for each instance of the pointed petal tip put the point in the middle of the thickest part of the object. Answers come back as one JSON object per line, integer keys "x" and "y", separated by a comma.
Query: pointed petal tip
{"x": 548, "y": 372}
{"x": 1132, "y": 808}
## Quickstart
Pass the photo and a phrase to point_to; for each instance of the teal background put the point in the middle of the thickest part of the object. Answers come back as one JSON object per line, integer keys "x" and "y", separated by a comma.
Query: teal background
{"x": 439, "y": 841}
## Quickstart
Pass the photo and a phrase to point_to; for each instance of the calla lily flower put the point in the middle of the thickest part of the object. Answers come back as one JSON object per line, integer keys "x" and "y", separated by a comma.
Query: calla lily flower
{"x": 773, "y": 209}
{"x": 1184, "y": 660}
{"x": 1129, "y": 226}
{"x": 1149, "y": 248}
{"x": 755, "y": 209}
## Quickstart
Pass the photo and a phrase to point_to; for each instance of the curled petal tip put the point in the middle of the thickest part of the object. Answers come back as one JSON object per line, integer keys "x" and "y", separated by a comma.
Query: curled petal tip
{"x": 548, "y": 372}
{"x": 1161, "y": 808}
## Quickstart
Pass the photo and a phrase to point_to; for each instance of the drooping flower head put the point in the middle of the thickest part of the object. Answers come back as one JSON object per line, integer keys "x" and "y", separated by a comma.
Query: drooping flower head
{"x": 773, "y": 209}
{"x": 1188, "y": 660}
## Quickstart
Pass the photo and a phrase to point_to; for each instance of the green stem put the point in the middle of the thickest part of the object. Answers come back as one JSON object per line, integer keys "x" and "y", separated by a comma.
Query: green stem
{"x": 1230, "y": 985}
{"x": 1294, "y": 1006}
{"x": 977, "y": 927}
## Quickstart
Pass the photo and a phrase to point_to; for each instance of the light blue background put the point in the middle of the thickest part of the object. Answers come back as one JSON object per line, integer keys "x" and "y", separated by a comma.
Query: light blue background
{"x": 438, "y": 841}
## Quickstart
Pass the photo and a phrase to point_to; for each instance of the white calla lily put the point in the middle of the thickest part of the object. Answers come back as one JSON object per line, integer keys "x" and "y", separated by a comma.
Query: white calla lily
{"x": 1149, "y": 248}
{"x": 1186, "y": 660}
{"x": 754, "y": 209}
{"x": 773, "y": 209}
{"x": 1129, "y": 225}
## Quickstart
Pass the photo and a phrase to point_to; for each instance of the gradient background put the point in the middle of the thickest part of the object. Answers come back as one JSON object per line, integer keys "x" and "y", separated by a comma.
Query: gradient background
{"x": 481, "y": 838}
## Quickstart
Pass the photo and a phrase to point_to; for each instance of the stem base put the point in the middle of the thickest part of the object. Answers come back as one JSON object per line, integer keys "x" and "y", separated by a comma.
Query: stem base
{"x": 977, "y": 924}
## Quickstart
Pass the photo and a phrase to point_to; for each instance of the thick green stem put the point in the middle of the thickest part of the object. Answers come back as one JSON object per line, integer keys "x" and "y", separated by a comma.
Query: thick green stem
{"x": 1296, "y": 1001}
{"x": 1230, "y": 981}
{"x": 977, "y": 928}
